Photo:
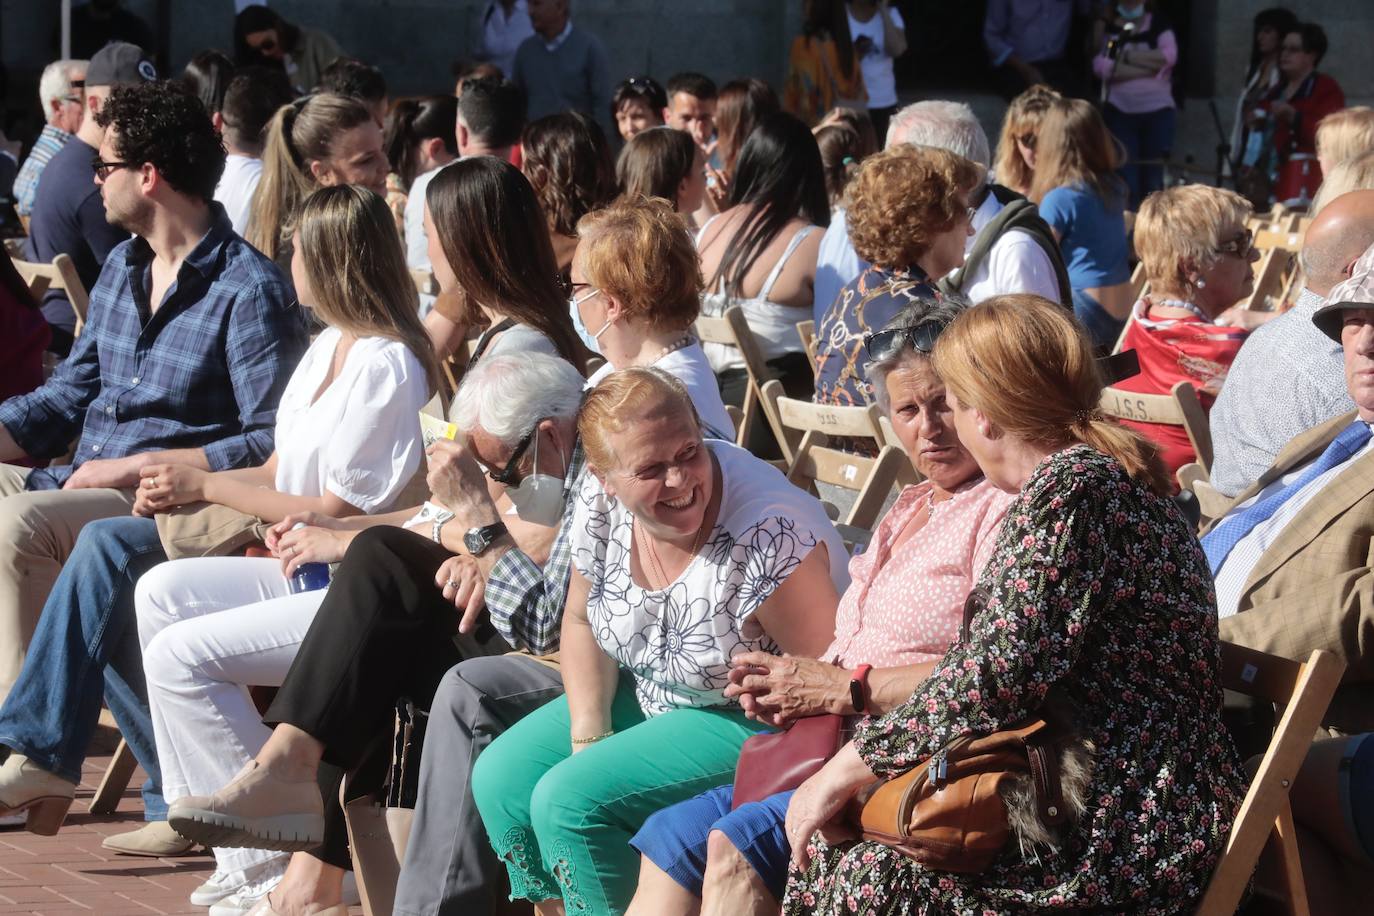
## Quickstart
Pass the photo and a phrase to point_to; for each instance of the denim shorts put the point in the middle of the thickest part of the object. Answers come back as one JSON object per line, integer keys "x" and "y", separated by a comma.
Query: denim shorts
{"x": 674, "y": 839}
{"x": 1357, "y": 790}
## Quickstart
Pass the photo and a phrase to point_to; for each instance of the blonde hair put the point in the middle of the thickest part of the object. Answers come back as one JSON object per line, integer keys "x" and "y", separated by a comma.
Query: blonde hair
{"x": 640, "y": 252}
{"x": 353, "y": 261}
{"x": 1355, "y": 174}
{"x": 1345, "y": 134}
{"x": 299, "y": 132}
{"x": 1023, "y": 116}
{"x": 903, "y": 198}
{"x": 624, "y": 397}
{"x": 1181, "y": 223}
{"x": 1028, "y": 367}
{"x": 1074, "y": 146}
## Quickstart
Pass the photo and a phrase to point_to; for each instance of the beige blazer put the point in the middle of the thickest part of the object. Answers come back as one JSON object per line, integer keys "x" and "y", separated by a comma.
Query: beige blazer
{"x": 1314, "y": 587}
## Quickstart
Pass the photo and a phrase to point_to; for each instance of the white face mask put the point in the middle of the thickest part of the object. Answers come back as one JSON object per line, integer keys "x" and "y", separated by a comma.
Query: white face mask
{"x": 539, "y": 497}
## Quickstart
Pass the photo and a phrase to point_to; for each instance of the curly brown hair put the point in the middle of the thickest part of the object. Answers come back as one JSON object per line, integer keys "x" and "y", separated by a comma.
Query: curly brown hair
{"x": 903, "y": 198}
{"x": 569, "y": 166}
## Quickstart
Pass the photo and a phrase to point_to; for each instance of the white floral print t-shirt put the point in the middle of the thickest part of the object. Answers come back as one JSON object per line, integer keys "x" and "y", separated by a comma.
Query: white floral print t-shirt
{"x": 678, "y": 641}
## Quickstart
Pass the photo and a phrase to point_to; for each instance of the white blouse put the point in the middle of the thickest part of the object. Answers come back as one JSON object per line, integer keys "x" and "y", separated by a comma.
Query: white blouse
{"x": 678, "y": 641}
{"x": 360, "y": 440}
{"x": 689, "y": 366}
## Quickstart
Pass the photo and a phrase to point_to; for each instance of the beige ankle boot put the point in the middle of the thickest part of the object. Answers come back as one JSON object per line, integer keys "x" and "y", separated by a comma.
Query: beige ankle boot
{"x": 25, "y": 787}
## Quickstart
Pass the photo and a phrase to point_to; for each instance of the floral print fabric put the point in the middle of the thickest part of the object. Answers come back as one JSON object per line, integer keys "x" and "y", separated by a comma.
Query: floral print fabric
{"x": 1097, "y": 589}
{"x": 678, "y": 641}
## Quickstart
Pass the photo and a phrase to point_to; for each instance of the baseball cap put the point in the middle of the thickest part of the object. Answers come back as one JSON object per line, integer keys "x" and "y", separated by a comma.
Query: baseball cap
{"x": 120, "y": 64}
{"x": 1356, "y": 292}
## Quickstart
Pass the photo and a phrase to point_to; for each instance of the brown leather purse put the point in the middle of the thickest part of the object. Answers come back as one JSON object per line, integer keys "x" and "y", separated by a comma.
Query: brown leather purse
{"x": 957, "y": 809}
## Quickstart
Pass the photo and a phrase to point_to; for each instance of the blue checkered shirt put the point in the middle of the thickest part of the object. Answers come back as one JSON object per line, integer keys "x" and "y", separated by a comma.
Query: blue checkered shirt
{"x": 526, "y": 602}
{"x": 204, "y": 371}
{"x": 44, "y": 148}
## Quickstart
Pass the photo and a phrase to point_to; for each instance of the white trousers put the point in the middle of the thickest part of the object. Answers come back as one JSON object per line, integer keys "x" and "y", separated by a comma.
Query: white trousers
{"x": 210, "y": 628}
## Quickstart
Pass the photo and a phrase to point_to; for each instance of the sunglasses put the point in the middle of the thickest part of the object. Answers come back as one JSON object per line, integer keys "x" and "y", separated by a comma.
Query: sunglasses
{"x": 103, "y": 169}
{"x": 1239, "y": 246}
{"x": 507, "y": 475}
{"x": 920, "y": 337}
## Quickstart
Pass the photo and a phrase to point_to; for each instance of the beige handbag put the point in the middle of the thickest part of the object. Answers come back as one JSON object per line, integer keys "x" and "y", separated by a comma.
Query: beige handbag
{"x": 207, "y": 530}
{"x": 379, "y": 825}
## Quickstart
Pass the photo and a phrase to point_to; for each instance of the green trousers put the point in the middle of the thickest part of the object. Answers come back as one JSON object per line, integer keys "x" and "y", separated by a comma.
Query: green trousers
{"x": 562, "y": 823}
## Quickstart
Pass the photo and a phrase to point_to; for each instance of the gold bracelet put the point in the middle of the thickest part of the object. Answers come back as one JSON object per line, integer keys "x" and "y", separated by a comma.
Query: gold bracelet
{"x": 593, "y": 739}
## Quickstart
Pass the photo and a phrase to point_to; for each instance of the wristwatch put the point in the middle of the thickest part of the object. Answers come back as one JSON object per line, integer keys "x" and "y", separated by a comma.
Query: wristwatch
{"x": 436, "y": 515}
{"x": 858, "y": 688}
{"x": 477, "y": 540}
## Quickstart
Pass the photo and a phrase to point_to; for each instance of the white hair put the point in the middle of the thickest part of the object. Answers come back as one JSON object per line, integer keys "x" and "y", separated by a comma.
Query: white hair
{"x": 56, "y": 82}
{"x": 947, "y": 125}
{"x": 508, "y": 395}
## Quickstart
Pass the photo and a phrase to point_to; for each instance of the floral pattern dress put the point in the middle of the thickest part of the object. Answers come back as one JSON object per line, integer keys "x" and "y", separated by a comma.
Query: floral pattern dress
{"x": 1098, "y": 588}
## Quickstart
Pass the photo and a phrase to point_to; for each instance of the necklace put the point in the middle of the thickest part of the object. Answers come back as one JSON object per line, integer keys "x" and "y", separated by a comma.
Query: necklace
{"x": 648, "y": 544}
{"x": 1186, "y": 306}
{"x": 686, "y": 340}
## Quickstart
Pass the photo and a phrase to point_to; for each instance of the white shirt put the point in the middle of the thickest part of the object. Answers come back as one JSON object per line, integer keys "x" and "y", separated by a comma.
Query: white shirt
{"x": 417, "y": 246}
{"x": 1240, "y": 562}
{"x": 360, "y": 439}
{"x": 236, "y": 187}
{"x": 678, "y": 641}
{"x": 876, "y": 64}
{"x": 561, "y": 37}
{"x": 689, "y": 366}
{"x": 1015, "y": 264}
{"x": 501, "y": 34}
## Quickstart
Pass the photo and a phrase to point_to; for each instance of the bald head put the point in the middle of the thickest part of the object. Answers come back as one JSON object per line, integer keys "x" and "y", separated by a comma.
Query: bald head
{"x": 1339, "y": 235}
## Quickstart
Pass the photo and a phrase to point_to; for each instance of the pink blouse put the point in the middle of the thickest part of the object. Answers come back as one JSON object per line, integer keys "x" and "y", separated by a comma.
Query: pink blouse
{"x": 905, "y": 607}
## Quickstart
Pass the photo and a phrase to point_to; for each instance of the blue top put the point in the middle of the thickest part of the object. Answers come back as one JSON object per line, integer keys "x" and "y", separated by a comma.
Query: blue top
{"x": 204, "y": 371}
{"x": 1092, "y": 236}
{"x": 69, "y": 217}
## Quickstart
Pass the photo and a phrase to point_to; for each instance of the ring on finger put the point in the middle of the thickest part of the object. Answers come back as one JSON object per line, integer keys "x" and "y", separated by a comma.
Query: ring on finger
{"x": 452, "y": 583}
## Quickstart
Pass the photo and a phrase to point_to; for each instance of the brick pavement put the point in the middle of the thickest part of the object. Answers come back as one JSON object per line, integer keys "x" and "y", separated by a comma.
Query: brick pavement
{"x": 70, "y": 873}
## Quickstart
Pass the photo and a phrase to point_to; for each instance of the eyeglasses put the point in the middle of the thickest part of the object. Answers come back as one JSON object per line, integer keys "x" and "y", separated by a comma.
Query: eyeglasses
{"x": 971, "y": 212}
{"x": 921, "y": 337}
{"x": 103, "y": 169}
{"x": 1239, "y": 246}
{"x": 1027, "y": 140}
{"x": 507, "y": 475}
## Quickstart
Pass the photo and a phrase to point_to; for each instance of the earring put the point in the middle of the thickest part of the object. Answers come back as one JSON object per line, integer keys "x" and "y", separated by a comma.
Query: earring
{"x": 1200, "y": 283}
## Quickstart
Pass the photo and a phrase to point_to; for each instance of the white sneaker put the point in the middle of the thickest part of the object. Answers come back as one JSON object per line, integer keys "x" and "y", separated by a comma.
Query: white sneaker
{"x": 215, "y": 889}
{"x": 237, "y": 904}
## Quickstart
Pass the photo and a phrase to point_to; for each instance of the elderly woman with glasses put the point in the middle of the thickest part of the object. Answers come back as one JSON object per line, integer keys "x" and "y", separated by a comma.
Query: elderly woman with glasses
{"x": 909, "y": 217}
{"x": 1198, "y": 256}
{"x": 902, "y": 609}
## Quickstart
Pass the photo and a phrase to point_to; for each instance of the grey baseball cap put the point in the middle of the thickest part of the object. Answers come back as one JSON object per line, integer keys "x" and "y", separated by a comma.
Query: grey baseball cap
{"x": 120, "y": 64}
{"x": 1356, "y": 292}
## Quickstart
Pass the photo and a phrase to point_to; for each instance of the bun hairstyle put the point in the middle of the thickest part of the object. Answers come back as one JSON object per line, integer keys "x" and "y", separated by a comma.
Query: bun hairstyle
{"x": 413, "y": 121}
{"x": 302, "y": 131}
{"x": 1028, "y": 367}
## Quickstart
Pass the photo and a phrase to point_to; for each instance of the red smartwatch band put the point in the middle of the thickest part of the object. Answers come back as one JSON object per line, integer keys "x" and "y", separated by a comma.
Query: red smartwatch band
{"x": 858, "y": 688}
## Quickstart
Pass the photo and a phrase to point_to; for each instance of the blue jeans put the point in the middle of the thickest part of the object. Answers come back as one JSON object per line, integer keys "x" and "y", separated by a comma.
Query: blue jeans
{"x": 1101, "y": 326}
{"x": 1148, "y": 135}
{"x": 86, "y": 645}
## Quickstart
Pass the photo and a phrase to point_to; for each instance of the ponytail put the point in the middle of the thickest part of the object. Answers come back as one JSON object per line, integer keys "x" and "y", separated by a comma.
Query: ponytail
{"x": 411, "y": 122}
{"x": 1136, "y": 454}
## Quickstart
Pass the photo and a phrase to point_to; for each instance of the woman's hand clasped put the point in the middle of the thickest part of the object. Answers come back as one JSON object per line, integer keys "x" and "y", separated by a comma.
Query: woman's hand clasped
{"x": 166, "y": 486}
{"x": 775, "y": 689}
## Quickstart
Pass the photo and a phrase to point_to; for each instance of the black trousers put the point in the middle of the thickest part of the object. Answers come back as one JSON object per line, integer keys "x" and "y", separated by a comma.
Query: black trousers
{"x": 383, "y": 632}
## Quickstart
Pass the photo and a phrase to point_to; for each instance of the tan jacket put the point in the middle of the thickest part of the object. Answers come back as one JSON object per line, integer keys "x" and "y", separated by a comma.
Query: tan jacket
{"x": 1314, "y": 587}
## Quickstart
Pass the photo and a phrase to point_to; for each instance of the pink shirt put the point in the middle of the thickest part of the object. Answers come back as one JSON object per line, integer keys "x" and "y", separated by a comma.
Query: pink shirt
{"x": 1146, "y": 93}
{"x": 904, "y": 608}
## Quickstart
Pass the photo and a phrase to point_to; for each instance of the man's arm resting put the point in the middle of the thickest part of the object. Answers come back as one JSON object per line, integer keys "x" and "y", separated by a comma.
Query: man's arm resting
{"x": 9, "y": 449}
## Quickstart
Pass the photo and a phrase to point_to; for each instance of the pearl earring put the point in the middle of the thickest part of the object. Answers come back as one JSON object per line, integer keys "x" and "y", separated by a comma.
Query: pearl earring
{"x": 1200, "y": 283}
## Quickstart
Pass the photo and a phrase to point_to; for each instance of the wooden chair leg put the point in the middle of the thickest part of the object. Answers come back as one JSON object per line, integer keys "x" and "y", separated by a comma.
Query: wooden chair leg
{"x": 115, "y": 781}
{"x": 1285, "y": 837}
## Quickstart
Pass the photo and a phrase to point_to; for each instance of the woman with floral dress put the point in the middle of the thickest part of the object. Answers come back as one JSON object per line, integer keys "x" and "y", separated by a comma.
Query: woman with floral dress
{"x": 685, "y": 553}
{"x": 1098, "y": 590}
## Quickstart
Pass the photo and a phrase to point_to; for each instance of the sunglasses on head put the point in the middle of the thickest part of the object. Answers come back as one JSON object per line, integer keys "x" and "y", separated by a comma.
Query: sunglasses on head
{"x": 920, "y": 337}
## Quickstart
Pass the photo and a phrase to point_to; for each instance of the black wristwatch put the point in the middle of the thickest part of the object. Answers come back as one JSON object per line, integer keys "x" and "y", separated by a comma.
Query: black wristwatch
{"x": 477, "y": 540}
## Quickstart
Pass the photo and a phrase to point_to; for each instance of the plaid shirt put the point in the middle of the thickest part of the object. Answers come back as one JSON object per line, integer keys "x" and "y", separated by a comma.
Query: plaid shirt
{"x": 526, "y": 602}
{"x": 48, "y": 143}
{"x": 204, "y": 371}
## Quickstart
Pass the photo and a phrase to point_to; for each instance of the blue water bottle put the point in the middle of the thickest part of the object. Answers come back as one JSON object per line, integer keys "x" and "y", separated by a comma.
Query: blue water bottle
{"x": 308, "y": 577}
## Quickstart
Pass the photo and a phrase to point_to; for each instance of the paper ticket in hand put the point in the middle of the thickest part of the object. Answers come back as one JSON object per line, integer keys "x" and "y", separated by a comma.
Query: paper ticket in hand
{"x": 432, "y": 429}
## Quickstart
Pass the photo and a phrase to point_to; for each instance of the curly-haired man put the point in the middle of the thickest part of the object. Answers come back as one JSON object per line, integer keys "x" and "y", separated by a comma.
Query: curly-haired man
{"x": 190, "y": 338}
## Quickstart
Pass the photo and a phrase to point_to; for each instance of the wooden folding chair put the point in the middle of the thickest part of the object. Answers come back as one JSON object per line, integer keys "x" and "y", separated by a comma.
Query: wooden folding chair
{"x": 1269, "y": 239}
{"x": 118, "y": 772}
{"x": 1303, "y": 689}
{"x": 15, "y": 247}
{"x": 1193, "y": 477}
{"x": 1269, "y": 274}
{"x": 1180, "y": 407}
{"x": 60, "y": 274}
{"x": 1139, "y": 285}
{"x": 732, "y": 330}
{"x": 806, "y": 330}
{"x": 800, "y": 417}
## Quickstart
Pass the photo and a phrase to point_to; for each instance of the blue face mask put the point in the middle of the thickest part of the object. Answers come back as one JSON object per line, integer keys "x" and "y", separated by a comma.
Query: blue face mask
{"x": 588, "y": 338}
{"x": 1129, "y": 13}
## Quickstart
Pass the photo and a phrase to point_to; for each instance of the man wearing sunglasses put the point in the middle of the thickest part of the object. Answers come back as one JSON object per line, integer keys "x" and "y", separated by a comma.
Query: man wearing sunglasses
{"x": 62, "y": 90}
{"x": 68, "y": 214}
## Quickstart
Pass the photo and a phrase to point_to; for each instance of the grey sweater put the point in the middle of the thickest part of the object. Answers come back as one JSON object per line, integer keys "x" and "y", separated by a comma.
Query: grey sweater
{"x": 576, "y": 76}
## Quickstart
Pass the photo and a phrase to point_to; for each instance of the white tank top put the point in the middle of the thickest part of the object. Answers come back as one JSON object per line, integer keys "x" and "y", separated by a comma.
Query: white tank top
{"x": 774, "y": 324}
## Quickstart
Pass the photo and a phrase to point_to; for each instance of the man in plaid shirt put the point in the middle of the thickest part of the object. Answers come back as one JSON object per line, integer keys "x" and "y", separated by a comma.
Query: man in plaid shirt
{"x": 191, "y": 338}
